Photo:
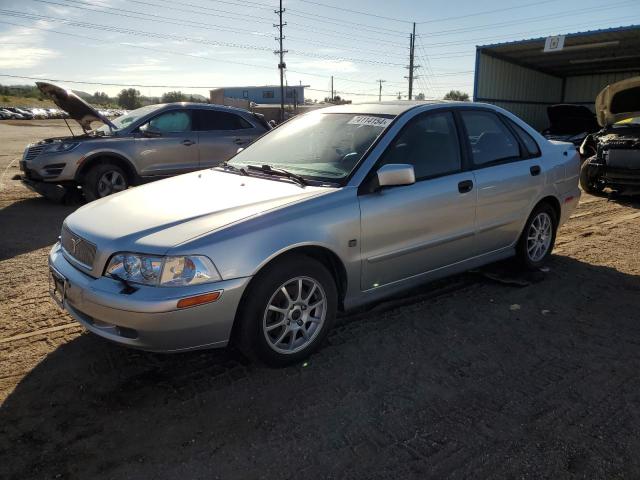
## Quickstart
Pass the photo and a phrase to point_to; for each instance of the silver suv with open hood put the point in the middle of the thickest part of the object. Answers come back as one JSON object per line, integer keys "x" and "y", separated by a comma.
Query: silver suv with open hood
{"x": 614, "y": 152}
{"x": 151, "y": 142}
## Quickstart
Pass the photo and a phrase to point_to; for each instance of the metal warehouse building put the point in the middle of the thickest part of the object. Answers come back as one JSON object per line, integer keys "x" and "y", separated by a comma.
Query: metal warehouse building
{"x": 526, "y": 76}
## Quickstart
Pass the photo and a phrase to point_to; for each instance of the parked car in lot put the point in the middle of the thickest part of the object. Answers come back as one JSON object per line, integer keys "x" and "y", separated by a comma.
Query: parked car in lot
{"x": 24, "y": 113}
{"x": 331, "y": 210}
{"x": 614, "y": 152}
{"x": 148, "y": 143}
{"x": 570, "y": 123}
{"x": 8, "y": 114}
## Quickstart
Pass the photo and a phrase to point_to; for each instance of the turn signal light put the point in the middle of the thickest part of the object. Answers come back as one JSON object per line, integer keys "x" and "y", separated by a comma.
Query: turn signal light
{"x": 199, "y": 299}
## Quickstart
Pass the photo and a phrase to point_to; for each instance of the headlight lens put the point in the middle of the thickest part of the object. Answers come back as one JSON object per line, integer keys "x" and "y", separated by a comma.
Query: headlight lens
{"x": 59, "y": 147}
{"x": 163, "y": 271}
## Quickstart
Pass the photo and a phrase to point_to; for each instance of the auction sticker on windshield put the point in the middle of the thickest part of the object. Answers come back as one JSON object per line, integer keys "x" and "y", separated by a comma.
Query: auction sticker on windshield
{"x": 369, "y": 120}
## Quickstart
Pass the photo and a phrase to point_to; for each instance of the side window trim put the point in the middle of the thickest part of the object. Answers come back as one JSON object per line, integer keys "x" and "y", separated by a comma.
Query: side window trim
{"x": 197, "y": 124}
{"x": 500, "y": 161}
{"x": 173, "y": 110}
{"x": 524, "y": 151}
{"x": 418, "y": 117}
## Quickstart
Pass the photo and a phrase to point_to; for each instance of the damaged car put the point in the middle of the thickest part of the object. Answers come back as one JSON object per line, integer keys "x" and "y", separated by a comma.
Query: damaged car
{"x": 570, "y": 123}
{"x": 152, "y": 142}
{"x": 614, "y": 152}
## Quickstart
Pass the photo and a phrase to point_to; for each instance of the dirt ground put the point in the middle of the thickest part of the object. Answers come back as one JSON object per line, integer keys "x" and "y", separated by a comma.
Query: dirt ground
{"x": 471, "y": 377}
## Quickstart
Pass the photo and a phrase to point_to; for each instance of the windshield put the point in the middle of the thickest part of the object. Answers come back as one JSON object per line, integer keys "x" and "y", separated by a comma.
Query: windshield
{"x": 320, "y": 146}
{"x": 125, "y": 120}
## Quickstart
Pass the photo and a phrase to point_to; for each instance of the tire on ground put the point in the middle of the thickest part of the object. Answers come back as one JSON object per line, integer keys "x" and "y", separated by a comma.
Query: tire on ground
{"x": 251, "y": 338}
{"x": 522, "y": 253}
{"x": 587, "y": 181}
{"x": 92, "y": 178}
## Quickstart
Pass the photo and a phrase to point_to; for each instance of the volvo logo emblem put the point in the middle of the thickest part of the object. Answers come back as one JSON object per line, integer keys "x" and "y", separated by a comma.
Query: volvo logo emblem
{"x": 74, "y": 244}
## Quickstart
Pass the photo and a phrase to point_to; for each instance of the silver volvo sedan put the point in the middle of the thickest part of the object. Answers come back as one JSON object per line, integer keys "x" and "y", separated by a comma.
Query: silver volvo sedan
{"x": 331, "y": 210}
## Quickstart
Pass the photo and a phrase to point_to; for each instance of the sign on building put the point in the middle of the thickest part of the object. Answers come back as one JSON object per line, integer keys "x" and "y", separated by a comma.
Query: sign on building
{"x": 554, "y": 43}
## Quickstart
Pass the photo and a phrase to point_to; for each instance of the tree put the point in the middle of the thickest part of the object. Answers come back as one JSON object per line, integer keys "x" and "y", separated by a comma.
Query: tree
{"x": 457, "y": 95}
{"x": 176, "y": 96}
{"x": 129, "y": 98}
{"x": 100, "y": 98}
{"x": 420, "y": 96}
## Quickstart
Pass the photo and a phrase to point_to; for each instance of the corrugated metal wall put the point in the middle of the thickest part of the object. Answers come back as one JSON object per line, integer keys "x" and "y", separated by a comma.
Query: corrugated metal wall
{"x": 520, "y": 90}
{"x": 585, "y": 88}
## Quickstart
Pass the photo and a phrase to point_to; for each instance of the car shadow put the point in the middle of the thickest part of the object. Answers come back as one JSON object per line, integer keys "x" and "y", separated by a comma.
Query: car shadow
{"x": 456, "y": 356}
{"x": 30, "y": 224}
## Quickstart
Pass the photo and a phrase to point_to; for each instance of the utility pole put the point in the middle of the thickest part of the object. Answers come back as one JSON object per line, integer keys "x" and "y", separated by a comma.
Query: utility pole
{"x": 281, "y": 52}
{"x": 412, "y": 66}
{"x": 380, "y": 90}
{"x": 332, "y": 92}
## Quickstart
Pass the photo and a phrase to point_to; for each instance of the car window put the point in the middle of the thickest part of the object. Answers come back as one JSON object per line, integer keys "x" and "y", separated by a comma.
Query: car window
{"x": 490, "y": 139}
{"x": 174, "y": 121}
{"x": 429, "y": 143}
{"x": 207, "y": 120}
{"x": 529, "y": 143}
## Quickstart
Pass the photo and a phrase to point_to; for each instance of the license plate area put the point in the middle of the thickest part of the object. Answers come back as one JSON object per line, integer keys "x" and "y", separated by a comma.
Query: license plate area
{"x": 58, "y": 285}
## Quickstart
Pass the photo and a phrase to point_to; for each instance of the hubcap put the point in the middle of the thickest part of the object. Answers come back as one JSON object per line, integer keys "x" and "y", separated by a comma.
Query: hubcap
{"x": 539, "y": 236}
{"x": 294, "y": 315}
{"x": 111, "y": 182}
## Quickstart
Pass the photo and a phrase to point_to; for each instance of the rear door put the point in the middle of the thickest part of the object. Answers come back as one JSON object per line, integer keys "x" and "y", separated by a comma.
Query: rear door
{"x": 221, "y": 134}
{"x": 508, "y": 174}
{"x": 167, "y": 145}
{"x": 412, "y": 229}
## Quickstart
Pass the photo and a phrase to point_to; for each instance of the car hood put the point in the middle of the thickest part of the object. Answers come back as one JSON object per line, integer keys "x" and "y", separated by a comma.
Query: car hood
{"x": 157, "y": 216}
{"x": 618, "y": 101}
{"x": 78, "y": 109}
{"x": 571, "y": 119}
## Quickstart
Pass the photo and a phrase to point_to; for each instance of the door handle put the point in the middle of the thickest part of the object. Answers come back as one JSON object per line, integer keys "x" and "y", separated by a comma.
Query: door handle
{"x": 465, "y": 186}
{"x": 535, "y": 170}
{"x": 188, "y": 143}
{"x": 240, "y": 141}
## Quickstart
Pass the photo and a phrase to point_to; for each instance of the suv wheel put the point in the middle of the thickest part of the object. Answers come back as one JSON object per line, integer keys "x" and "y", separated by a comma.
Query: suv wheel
{"x": 537, "y": 239}
{"x": 104, "y": 179}
{"x": 288, "y": 311}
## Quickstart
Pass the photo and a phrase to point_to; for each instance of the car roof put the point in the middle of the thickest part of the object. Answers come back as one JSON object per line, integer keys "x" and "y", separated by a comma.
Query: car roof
{"x": 396, "y": 107}
{"x": 209, "y": 106}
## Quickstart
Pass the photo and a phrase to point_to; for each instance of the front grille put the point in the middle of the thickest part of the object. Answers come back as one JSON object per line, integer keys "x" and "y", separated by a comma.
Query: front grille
{"x": 77, "y": 247}
{"x": 33, "y": 151}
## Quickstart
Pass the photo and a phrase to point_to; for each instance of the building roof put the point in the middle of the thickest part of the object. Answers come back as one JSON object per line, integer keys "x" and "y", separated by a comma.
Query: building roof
{"x": 607, "y": 50}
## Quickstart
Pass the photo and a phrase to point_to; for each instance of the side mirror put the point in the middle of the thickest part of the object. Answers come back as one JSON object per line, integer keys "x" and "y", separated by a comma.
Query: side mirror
{"x": 395, "y": 174}
{"x": 149, "y": 132}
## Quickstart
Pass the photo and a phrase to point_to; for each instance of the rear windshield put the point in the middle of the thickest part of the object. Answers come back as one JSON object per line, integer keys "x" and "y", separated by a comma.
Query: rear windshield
{"x": 323, "y": 146}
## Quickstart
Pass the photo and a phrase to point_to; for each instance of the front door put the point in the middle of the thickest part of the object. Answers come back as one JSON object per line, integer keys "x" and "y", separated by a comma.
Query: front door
{"x": 413, "y": 229}
{"x": 167, "y": 145}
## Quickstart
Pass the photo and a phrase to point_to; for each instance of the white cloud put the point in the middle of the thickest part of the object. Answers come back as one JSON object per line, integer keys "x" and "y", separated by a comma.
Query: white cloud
{"x": 25, "y": 57}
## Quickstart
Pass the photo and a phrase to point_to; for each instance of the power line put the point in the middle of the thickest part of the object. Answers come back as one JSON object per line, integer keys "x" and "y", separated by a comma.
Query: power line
{"x": 105, "y": 84}
{"x": 355, "y": 11}
{"x": 485, "y": 12}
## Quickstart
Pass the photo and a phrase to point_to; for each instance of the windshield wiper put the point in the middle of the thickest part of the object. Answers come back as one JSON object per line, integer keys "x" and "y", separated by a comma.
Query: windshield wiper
{"x": 280, "y": 173}
{"x": 233, "y": 168}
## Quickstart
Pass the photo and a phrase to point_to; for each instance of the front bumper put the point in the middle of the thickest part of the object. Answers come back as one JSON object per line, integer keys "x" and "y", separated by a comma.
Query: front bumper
{"x": 148, "y": 319}
{"x": 52, "y": 191}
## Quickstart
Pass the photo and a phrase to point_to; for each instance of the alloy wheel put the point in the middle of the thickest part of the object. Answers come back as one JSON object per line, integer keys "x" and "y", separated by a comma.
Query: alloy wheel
{"x": 539, "y": 236}
{"x": 294, "y": 315}
{"x": 110, "y": 182}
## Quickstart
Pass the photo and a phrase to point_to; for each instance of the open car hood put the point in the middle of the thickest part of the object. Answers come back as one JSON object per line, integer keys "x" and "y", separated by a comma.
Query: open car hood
{"x": 571, "y": 119}
{"x": 618, "y": 101}
{"x": 78, "y": 109}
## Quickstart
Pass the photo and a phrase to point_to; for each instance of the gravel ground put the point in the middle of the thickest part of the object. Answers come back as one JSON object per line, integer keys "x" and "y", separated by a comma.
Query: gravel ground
{"x": 488, "y": 374}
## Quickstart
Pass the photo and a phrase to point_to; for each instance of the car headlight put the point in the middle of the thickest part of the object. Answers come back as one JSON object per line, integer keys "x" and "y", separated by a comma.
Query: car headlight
{"x": 60, "y": 147}
{"x": 162, "y": 271}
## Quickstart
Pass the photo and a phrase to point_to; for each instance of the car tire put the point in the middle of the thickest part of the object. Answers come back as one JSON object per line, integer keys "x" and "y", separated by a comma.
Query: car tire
{"x": 538, "y": 237}
{"x": 104, "y": 179}
{"x": 278, "y": 328}
{"x": 588, "y": 181}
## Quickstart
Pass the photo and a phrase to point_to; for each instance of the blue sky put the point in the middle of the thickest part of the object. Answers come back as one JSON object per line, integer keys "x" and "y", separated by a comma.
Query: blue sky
{"x": 209, "y": 43}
